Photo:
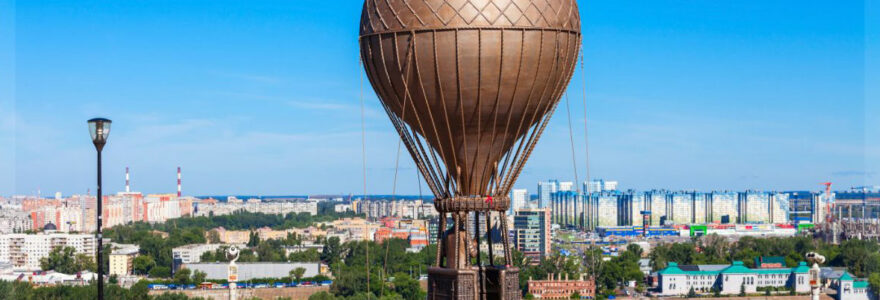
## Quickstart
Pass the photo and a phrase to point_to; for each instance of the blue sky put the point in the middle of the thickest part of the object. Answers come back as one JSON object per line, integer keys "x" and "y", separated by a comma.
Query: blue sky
{"x": 262, "y": 97}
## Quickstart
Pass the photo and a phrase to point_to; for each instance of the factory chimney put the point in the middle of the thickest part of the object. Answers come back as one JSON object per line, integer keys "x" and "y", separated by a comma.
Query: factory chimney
{"x": 127, "y": 184}
{"x": 178, "y": 182}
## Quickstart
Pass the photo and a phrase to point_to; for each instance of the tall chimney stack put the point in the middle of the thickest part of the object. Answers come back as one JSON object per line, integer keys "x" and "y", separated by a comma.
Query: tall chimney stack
{"x": 127, "y": 185}
{"x": 178, "y": 182}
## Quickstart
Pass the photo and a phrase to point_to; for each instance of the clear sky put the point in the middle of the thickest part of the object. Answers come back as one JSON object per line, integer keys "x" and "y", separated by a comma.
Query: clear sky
{"x": 262, "y": 97}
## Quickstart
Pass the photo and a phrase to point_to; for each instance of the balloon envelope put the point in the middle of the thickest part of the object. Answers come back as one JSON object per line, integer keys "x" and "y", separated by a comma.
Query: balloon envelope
{"x": 470, "y": 77}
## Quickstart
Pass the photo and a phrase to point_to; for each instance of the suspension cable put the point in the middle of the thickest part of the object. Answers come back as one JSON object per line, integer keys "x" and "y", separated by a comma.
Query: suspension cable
{"x": 364, "y": 161}
{"x": 573, "y": 160}
{"x": 387, "y": 241}
{"x": 586, "y": 131}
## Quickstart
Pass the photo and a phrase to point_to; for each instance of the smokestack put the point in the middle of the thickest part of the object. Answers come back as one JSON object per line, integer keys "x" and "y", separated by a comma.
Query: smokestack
{"x": 178, "y": 182}
{"x": 127, "y": 185}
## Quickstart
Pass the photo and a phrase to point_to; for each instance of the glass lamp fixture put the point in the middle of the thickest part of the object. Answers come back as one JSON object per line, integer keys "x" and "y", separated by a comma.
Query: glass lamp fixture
{"x": 99, "y": 129}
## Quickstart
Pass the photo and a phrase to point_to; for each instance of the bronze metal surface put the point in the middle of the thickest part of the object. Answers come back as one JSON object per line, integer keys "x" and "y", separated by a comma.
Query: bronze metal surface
{"x": 469, "y": 78}
{"x": 470, "y": 86}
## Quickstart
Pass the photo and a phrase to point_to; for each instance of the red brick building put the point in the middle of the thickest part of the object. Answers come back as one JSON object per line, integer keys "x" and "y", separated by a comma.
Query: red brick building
{"x": 559, "y": 288}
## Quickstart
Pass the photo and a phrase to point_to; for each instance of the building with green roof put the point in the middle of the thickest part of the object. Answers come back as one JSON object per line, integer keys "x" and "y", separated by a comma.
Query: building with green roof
{"x": 678, "y": 280}
{"x": 849, "y": 288}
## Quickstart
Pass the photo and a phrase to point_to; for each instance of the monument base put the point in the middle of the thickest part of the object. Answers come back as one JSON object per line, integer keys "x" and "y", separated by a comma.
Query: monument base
{"x": 501, "y": 283}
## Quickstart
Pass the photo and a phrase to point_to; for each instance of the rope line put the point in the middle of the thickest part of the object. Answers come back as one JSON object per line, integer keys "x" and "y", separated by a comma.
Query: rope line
{"x": 364, "y": 160}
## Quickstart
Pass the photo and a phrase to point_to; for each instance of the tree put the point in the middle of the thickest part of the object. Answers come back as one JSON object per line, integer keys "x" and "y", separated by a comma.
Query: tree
{"x": 692, "y": 293}
{"x": 253, "y": 239}
{"x": 214, "y": 237}
{"x": 85, "y": 262}
{"x": 635, "y": 249}
{"x": 407, "y": 287}
{"x": 742, "y": 290}
{"x": 199, "y": 277}
{"x": 297, "y": 273}
{"x": 160, "y": 272}
{"x": 874, "y": 282}
{"x": 575, "y": 295}
{"x": 142, "y": 264}
{"x": 322, "y": 296}
{"x": 182, "y": 276}
{"x": 332, "y": 250}
{"x": 61, "y": 259}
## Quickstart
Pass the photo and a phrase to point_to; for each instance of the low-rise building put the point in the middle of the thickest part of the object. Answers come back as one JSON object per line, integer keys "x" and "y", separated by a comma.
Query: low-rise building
{"x": 559, "y": 288}
{"x": 122, "y": 259}
{"x": 189, "y": 254}
{"x": 24, "y": 251}
{"x": 247, "y": 271}
{"x": 733, "y": 279}
{"x": 849, "y": 288}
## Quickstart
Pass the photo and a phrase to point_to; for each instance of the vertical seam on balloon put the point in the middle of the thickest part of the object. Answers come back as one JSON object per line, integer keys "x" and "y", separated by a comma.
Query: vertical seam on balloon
{"x": 523, "y": 140}
{"x": 504, "y": 165}
{"x": 455, "y": 188}
{"x": 401, "y": 127}
{"x": 488, "y": 185}
{"x": 479, "y": 109}
{"x": 436, "y": 167}
{"x": 534, "y": 135}
{"x": 443, "y": 98}
{"x": 394, "y": 121}
{"x": 433, "y": 122}
{"x": 548, "y": 113}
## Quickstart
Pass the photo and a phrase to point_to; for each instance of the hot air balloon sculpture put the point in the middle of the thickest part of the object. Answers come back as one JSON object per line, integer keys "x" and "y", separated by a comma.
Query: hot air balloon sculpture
{"x": 470, "y": 86}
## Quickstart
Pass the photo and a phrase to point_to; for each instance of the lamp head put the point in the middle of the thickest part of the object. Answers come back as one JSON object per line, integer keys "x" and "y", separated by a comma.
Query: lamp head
{"x": 99, "y": 129}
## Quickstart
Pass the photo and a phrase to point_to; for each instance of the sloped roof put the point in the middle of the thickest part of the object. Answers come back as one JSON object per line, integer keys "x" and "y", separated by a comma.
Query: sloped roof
{"x": 672, "y": 269}
{"x": 737, "y": 268}
{"x": 846, "y": 276}
{"x": 801, "y": 268}
{"x": 861, "y": 284}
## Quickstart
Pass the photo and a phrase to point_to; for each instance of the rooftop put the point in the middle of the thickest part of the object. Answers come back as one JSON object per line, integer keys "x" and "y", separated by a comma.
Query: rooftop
{"x": 736, "y": 268}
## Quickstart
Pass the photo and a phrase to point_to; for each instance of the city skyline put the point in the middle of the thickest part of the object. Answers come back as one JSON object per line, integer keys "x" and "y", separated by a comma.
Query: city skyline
{"x": 681, "y": 96}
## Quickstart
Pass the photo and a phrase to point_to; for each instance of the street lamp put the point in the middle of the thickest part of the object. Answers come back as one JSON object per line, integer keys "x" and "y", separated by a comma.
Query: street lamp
{"x": 99, "y": 129}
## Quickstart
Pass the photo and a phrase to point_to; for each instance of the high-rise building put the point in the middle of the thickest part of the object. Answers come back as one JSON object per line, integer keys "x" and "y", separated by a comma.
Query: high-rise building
{"x": 518, "y": 199}
{"x": 657, "y": 205}
{"x": 638, "y": 205}
{"x": 754, "y": 207}
{"x": 545, "y": 190}
{"x": 702, "y": 205}
{"x": 566, "y": 208}
{"x": 600, "y": 185}
{"x": 800, "y": 206}
{"x": 606, "y": 205}
{"x": 724, "y": 207}
{"x": 532, "y": 237}
{"x": 681, "y": 207}
{"x": 779, "y": 208}
{"x": 565, "y": 186}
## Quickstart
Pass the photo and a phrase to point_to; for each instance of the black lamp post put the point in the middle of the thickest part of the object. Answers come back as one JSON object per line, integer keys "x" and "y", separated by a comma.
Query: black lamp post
{"x": 99, "y": 129}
